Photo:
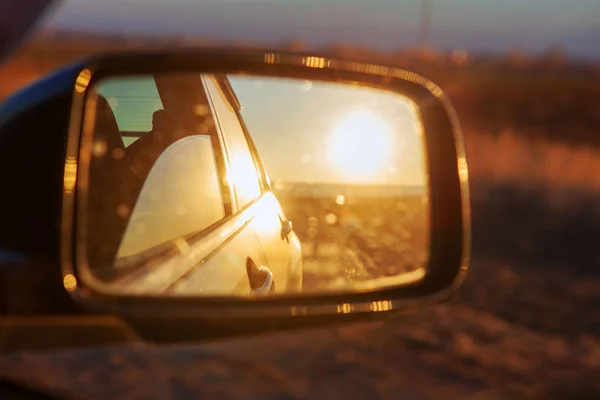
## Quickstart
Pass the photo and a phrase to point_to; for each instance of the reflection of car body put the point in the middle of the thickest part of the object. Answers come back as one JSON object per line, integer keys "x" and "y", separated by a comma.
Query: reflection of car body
{"x": 199, "y": 194}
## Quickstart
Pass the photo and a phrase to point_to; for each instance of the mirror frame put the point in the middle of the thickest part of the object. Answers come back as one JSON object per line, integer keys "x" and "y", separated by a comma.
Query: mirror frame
{"x": 450, "y": 233}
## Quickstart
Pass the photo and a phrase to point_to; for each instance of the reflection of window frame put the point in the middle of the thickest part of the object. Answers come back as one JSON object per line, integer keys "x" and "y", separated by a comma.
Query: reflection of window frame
{"x": 264, "y": 179}
{"x": 260, "y": 175}
{"x": 228, "y": 91}
{"x": 224, "y": 82}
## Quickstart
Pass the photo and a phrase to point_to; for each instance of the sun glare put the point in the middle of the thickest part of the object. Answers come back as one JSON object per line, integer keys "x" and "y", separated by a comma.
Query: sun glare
{"x": 360, "y": 146}
{"x": 243, "y": 176}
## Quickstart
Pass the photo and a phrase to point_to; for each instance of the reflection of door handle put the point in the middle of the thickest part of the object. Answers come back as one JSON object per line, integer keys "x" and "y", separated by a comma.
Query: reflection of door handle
{"x": 286, "y": 228}
{"x": 267, "y": 285}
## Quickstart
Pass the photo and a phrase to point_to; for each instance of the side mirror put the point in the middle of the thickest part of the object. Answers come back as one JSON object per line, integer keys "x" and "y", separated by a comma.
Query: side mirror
{"x": 166, "y": 210}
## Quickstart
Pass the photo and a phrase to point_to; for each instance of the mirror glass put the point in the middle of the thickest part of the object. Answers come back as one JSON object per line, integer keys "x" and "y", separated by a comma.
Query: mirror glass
{"x": 237, "y": 185}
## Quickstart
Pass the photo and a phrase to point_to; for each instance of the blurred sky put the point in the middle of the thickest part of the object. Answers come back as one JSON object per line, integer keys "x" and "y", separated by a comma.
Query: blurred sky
{"x": 495, "y": 25}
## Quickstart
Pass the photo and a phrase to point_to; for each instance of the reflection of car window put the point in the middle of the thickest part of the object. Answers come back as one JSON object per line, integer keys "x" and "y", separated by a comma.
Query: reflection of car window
{"x": 243, "y": 172}
{"x": 181, "y": 196}
{"x": 133, "y": 101}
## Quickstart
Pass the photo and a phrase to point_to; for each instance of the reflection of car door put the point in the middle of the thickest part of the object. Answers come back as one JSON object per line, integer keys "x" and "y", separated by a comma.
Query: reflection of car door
{"x": 179, "y": 231}
{"x": 246, "y": 179}
{"x": 180, "y": 208}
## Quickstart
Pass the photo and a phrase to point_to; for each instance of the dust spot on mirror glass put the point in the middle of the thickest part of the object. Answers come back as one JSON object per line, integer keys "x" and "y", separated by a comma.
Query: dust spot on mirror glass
{"x": 118, "y": 153}
{"x": 154, "y": 195}
{"x": 123, "y": 211}
{"x": 202, "y": 129}
{"x": 99, "y": 148}
{"x": 201, "y": 110}
{"x": 181, "y": 210}
{"x": 306, "y": 86}
{"x": 331, "y": 218}
{"x": 257, "y": 85}
{"x": 278, "y": 186}
{"x": 113, "y": 102}
{"x": 140, "y": 228}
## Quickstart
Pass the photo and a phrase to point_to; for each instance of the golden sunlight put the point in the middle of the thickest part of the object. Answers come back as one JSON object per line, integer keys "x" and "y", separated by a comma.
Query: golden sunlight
{"x": 244, "y": 177}
{"x": 360, "y": 146}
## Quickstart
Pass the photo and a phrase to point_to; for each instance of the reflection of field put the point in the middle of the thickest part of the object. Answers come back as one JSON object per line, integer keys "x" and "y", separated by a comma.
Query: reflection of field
{"x": 362, "y": 239}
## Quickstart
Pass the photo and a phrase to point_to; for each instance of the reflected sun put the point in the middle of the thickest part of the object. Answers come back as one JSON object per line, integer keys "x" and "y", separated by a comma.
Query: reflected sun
{"x": 360, "y": 146}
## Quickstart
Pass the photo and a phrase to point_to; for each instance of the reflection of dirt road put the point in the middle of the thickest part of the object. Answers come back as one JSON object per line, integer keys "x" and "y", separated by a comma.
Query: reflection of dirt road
{"x": 357, "y": 239}
{"x": 331, "y": 268}
{"x": 338, "y": 267}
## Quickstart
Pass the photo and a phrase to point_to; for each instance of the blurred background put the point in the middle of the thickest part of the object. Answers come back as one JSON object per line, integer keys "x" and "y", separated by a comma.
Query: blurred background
{"x": 524, "y": 78}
